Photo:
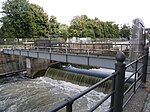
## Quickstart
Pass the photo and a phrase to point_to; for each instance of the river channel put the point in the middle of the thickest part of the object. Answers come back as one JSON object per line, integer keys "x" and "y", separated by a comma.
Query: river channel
{"x": 20, "y": 94}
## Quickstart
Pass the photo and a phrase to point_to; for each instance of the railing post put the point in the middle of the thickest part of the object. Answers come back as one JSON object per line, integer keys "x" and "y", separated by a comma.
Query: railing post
{"x": 66, "y": 49}
{"x": 69, "y": 106}
{"x": 119, "y": 82}
{"x": 37, "y": 48}
{"x": 50, "y": 50}
{"x": 88, "y": 51}
{"x": 145, "y": 63}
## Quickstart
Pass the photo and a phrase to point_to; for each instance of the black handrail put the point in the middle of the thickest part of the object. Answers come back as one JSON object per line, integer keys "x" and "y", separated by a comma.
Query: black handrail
{"x": 72, "y": 99}
{"x": 133, "y": 62}
{"x": 101, "y": 101}
{"x": 138, "y": 73}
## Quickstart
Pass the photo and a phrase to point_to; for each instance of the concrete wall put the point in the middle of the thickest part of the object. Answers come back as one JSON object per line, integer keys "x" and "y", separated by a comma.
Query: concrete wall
{"x": 11, "y": 63}
{"x": 36, "y": 67}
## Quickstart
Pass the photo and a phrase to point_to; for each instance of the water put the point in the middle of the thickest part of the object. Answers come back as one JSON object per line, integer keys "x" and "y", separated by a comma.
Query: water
{"x": 19, "y": 94}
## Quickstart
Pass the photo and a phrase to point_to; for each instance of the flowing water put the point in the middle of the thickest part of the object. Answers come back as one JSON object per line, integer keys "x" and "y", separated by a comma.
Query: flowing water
{"x": 19, "y": 94}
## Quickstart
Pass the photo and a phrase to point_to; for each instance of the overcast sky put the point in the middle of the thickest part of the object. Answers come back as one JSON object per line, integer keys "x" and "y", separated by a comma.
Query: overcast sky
{"x": 119, "y": 11}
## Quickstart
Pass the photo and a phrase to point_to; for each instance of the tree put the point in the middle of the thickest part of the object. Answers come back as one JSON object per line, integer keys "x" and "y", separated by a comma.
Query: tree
{"x": 13, "y": 10}
{"x": 54, "y": 25}
{"x": 6, "y": 30}
{"x": 63, "y": 28}
{"x": 82, "y": 26}
{"x": 125, "y": 31}
{"x": 115, "y": 31}
{"x": 38, "y": 21}
{"x": 24, "y": 20}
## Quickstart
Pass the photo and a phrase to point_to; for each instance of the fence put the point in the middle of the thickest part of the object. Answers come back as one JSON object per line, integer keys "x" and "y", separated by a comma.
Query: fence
{"x": 118, "y": 83}
{"x": 103, "y": 49}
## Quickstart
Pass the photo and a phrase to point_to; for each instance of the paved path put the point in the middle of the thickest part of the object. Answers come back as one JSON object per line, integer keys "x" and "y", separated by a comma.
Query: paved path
{"x": 140, "y": 102}
{"x": 147, "y": 104}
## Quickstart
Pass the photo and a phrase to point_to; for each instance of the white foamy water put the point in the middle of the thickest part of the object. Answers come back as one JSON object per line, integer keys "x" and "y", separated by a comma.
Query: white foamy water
{"x": 40, "y": 94}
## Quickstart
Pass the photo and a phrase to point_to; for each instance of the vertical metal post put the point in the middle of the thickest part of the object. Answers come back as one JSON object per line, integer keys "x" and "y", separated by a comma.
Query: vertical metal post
{"x": 121, "y": 47}
{"x": 50, "y": 50}
{"x": 13, "y": 47}
{"x": 145, "y": 63}
{"x": 93, "y": 47}
{"x": 37, "y": 48}
{"x": 88, "y": 51}
{"x": 119, "y": 82}
{"x": 135, "y": 77}
{"x": 80, "y": 48}
{"x": 113, "y": 89}
{"x": 69, "y": 106}
{"x": 66, "y": 49}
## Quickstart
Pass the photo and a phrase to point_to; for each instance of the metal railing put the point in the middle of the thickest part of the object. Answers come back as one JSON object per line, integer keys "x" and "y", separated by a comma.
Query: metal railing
{"x": 139, "y": 74}
{"x": 118, "y": 91}
{"x": 110, "y": 52}
{"x": 86, "y": 48}
{"x": 69, "y": 101}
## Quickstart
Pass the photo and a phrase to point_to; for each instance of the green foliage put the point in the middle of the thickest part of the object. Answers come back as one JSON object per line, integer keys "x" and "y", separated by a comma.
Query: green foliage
{"x": 54, "y": 25}
{"x": 7, "y": 31}
{"x": 82, "y": 26}
{"x": 23, "y": 20}
{"x": 63, "y": 28}
{"x": 13, "y": 21}
{"x": 38, "y": 21}
{"x": 125, "y": 31}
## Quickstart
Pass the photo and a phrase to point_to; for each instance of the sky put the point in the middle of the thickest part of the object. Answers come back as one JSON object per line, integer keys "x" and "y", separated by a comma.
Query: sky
{"x": 118, "y": 11}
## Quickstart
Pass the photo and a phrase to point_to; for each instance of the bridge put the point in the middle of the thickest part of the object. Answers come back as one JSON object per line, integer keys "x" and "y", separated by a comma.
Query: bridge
{"x": 78, "y": 58}
{"x": 100, "y": 55}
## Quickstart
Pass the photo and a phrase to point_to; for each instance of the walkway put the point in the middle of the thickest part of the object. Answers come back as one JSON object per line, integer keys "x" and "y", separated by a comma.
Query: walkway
{"x": 141, "y": 100}
{"x": 147, "y": 104}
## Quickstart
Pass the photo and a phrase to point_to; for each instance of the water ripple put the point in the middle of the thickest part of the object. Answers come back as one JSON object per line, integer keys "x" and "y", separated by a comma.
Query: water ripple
{"x": 40, "y": 94}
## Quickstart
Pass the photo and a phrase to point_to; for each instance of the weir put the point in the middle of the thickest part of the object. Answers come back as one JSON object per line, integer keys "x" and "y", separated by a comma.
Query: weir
{"x": 99, "y": 72}
{"x": 77, "y": 78}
